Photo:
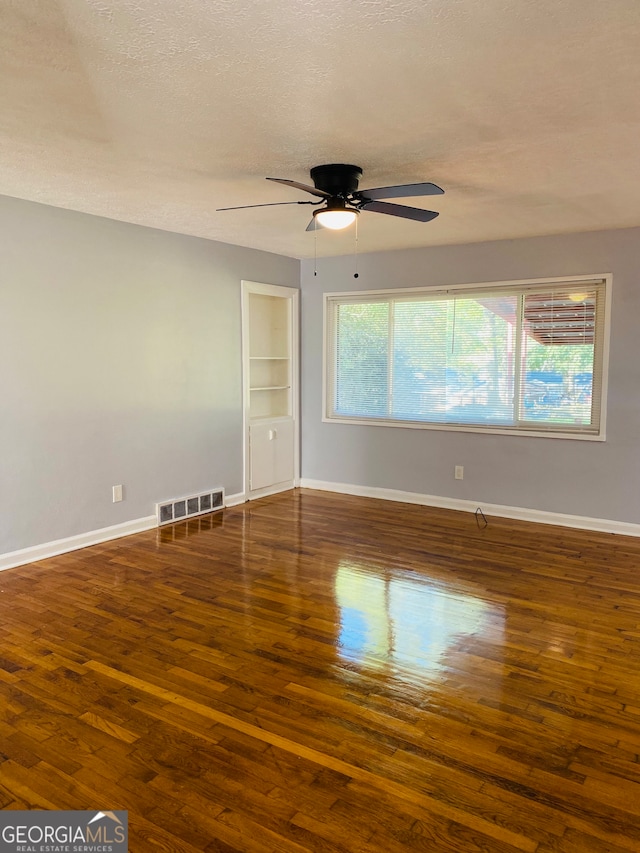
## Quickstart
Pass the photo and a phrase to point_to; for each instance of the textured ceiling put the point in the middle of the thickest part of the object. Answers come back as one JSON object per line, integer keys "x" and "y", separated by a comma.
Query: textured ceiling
{"x": 160, "y": 111}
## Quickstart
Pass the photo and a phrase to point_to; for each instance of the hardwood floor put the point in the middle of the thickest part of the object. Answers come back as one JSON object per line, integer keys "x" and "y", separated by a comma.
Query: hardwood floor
{"x": 313, "y": 672}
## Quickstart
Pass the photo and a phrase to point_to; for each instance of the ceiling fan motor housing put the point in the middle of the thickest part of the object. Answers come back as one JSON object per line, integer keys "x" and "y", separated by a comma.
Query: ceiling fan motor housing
{"x": 337, "y": 179}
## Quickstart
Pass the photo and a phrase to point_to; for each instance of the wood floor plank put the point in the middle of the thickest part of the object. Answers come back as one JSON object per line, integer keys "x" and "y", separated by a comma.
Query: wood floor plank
{"x": 311, "y": 672}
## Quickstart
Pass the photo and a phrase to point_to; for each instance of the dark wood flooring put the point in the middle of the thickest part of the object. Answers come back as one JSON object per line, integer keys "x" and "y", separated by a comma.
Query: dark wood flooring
{"x": 313, "y": 672}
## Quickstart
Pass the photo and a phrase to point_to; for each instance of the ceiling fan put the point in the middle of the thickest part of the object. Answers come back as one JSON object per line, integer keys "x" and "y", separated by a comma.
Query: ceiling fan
{"x": 336, "y": 185}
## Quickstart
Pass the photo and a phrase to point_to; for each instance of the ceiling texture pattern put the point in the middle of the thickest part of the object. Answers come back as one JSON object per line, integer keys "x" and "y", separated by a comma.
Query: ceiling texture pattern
{"x": 160, "y": 111}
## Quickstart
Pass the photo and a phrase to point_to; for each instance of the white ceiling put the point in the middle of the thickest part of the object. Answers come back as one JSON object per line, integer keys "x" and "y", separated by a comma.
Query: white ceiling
{"x": 527, "y": 113}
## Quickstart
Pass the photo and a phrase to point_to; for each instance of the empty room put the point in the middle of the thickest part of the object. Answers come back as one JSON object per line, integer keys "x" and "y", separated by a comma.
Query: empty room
{"x": 320, "y": 435}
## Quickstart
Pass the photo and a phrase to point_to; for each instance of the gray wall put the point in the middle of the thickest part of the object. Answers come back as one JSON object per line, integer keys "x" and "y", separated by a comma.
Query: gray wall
{"x": 593, "y": 479}
{"x": 120, "y": 363}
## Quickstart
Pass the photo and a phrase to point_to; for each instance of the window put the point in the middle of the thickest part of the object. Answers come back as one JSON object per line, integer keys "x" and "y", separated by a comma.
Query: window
{"x": 525, "y": 357}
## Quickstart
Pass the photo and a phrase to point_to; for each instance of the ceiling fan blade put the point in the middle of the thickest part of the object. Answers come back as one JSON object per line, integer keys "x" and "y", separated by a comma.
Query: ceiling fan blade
{"x": 267, "y": 204}
{"x": 401, "y": 191}
{"x": 303, "y": 187}
{"x": 400, "y": 210}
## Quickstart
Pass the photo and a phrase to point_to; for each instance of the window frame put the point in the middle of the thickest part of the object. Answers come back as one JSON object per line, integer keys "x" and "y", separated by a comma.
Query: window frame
{"x": 601, "y": 353}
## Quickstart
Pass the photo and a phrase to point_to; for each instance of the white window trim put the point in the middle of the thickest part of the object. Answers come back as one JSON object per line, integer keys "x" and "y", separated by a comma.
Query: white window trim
{"x": 383, "y": 293}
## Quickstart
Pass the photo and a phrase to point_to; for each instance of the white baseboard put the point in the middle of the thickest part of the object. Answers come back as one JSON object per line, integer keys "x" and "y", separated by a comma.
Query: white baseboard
{"x": 601, "y": 525}
{"x": 138, "y": 525}
{"x": 92, "y": 537}
{"x": 73, "y": 543}
{"x": 235, "y": 500}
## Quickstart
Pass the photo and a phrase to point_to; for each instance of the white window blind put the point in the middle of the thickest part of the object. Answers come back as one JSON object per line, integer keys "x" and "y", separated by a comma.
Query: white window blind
{"x": 523, "y": 357}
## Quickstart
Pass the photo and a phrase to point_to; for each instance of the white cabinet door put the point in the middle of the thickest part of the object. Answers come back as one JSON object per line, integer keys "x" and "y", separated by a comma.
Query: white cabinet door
{"x": 271, "y": 453}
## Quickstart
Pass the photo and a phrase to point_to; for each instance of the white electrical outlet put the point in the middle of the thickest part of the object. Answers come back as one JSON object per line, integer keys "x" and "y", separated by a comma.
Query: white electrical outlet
{"x": 459, "y": 472}
{"x": 117, "y": 494}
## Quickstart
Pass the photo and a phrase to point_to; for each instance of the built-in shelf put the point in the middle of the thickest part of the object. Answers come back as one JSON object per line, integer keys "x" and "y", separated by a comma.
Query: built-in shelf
{"x": 270, "y": 418}
{"x": 269, "y": 357}
{"x": 270, "y": 388}
{"x": 270, "y": 376}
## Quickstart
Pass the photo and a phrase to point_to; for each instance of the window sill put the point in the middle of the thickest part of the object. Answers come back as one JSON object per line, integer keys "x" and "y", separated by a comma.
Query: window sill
{"x": 474, "y": 428}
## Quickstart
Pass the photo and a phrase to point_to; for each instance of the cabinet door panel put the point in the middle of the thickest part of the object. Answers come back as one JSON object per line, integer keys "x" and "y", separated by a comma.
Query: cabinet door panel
{"x": 283, "y": 447}
{"x": 271, "y": 453}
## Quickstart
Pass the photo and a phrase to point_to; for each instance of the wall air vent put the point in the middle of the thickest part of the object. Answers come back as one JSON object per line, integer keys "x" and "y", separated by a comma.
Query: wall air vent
{"x": 180, "y": 508}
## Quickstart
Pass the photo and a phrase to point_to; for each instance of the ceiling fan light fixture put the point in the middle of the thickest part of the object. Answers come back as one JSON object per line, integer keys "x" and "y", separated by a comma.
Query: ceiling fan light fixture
{"x": 335, "y": 216}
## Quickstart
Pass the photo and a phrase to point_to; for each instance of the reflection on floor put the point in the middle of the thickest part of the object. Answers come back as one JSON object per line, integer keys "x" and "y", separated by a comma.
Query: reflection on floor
{"x": 402, "y": 623}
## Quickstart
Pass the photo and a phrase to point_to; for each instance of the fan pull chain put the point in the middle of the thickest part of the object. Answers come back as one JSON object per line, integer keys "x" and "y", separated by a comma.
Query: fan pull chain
{"x": 315, "y": 248}
{"x": 356, "y": 274}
